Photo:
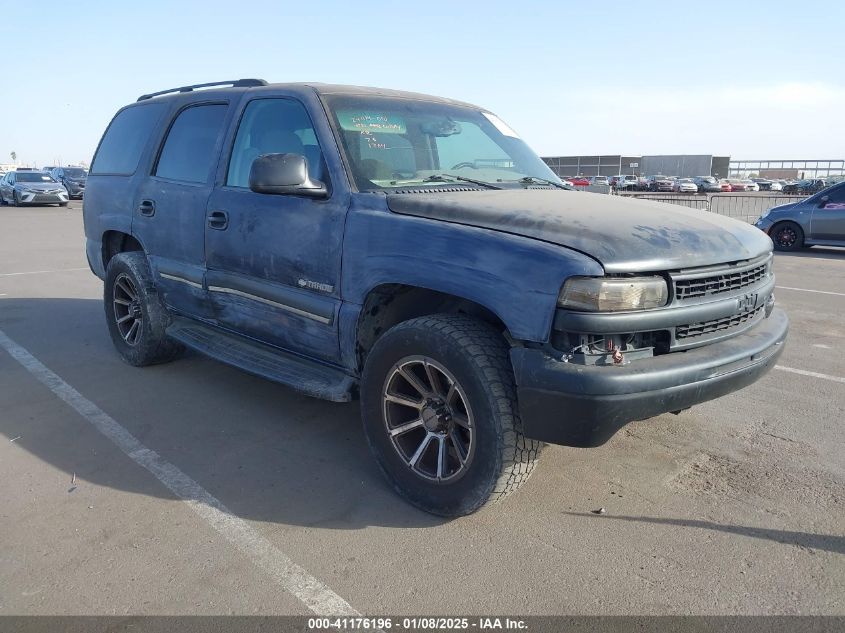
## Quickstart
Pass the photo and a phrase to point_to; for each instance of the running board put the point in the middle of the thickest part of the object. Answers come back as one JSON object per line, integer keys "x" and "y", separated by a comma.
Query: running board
{"x": 305, "y": 376}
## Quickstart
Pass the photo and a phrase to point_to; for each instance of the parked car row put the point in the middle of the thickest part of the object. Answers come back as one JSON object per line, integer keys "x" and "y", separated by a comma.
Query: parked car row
{"x": 51, "y": 185}
{"x": 698, "y": 184}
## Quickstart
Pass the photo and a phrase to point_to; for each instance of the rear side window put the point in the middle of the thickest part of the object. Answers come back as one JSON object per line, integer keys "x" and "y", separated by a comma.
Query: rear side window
{"x": 124, "y": 140}
{"x": 188, "y": 153}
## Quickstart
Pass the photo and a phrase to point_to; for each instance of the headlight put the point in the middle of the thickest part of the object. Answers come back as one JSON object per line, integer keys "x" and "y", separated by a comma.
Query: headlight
{"x": 604, "y": 294}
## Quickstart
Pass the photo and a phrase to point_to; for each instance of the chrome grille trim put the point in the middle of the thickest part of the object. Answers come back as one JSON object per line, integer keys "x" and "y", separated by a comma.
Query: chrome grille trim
{"x": 717, "y": 280}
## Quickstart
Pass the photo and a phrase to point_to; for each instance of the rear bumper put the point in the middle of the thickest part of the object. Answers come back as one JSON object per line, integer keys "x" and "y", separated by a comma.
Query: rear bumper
{"x": 578, "y": 405}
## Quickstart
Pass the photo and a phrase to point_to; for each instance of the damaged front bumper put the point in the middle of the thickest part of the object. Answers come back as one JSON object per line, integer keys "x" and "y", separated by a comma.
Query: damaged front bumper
{"x": 582, "y": 405}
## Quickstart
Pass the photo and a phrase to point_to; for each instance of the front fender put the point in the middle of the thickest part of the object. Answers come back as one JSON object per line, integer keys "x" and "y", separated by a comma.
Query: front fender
{"x": 515, "y": 277}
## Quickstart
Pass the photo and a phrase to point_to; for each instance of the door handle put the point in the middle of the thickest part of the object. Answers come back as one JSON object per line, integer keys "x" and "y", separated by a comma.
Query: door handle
{"x": 218, "y": 220}
{"x": 147, "y": 208}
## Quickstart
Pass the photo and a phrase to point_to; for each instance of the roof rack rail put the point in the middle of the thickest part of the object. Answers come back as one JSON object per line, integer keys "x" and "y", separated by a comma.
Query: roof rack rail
{"x": 236, "y": 83}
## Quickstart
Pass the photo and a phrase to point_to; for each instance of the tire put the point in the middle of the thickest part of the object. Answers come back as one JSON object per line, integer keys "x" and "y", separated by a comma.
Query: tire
{"x": 787, "y": 236}
{"x": 470, "y": 361}
{"x": 15, "y": 201}
{"x": 128, "y": 275}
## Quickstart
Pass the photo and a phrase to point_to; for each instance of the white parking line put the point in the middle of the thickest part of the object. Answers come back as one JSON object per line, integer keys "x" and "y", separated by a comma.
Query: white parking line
{"x": 41, "y": 272}
{"x": 821, "y": 292}
{"x": 811, "y": 374}
{"x": 291, "y": 577}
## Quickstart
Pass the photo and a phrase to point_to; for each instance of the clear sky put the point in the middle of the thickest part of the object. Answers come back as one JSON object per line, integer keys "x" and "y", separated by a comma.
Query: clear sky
{"x": 747, "y": 79}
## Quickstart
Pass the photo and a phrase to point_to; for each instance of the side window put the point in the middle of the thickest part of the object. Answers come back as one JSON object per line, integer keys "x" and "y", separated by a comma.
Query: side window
{"x": 836, "y": 198}
{"x": 188, "y": 153}
{"x": 273, "y": 126}
{"x": 124, "y": 140}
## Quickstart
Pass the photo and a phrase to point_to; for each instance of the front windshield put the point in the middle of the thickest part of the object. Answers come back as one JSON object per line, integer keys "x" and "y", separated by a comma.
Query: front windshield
{"x": 391, "y": 143}
{"x": 76, "y": 172}
{"x": 32, "y": 176}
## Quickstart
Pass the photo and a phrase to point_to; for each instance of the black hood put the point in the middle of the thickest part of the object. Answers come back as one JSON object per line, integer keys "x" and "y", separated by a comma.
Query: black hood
{"x": 623, "y": 234}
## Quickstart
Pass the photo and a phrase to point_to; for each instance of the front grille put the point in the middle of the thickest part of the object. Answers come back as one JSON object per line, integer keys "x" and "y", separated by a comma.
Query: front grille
{"x": 719, "y": 283}
{"x": 43, "y": 197}
{"x": 717, "y": 325}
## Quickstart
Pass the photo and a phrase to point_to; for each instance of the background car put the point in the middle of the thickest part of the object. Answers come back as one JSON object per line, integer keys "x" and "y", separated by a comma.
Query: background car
{"x": 725, "y": 186}
{"x": 763, "y": 183}
{"x": 660, "y": 183}
{"x": 578, "y": 181}
{"x": 31, "y": 187}
{"x": 684, "y": 185}
{"x": 808, "y": 186}
{"x": 707, "y": 184}
{"x": 737, "y": 184}
{"x": 624, "y": 182}
{"x": 73, "y": 179}
{"x": 600, "y": 180}
{"x": 817, "y": 220}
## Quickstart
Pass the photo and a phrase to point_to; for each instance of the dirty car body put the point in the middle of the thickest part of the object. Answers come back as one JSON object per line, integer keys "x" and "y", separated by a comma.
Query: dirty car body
{"x": 611, "y": 309}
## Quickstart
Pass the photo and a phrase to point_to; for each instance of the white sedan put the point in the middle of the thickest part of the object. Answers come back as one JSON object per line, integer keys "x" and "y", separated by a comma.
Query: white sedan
{"x": 685, "y": 185}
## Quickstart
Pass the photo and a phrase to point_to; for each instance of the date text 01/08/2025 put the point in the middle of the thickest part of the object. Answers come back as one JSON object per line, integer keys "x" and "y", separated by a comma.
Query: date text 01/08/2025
{"x": 415, "y": 624}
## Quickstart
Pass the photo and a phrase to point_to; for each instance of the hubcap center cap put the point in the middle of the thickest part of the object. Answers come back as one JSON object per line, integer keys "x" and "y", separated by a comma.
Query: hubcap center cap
{"x": 435, "y": 416}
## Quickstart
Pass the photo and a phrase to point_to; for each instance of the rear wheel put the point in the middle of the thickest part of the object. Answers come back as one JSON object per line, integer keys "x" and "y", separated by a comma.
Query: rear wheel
{"x": 440, "y": 413}
{"x": 135, "y": 314}
{"x": 787, "y": 236}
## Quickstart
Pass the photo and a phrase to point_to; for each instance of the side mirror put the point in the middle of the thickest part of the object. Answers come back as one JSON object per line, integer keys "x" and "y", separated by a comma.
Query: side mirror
{"x": 284, "y": 174}
{"x": 824, "y": 200}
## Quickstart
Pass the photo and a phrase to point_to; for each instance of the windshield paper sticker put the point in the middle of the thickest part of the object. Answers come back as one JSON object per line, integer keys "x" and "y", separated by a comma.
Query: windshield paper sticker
{"x": 500, "y": 125}
{"x": 370, "y": 122}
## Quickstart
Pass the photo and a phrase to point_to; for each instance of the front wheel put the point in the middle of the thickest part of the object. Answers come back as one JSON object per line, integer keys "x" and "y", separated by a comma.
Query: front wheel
{"x": 440, "y": 414}
{"x": 787, "y": 236}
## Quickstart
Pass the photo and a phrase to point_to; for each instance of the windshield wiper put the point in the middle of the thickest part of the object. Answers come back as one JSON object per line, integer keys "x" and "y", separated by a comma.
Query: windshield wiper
{"x": 446, "y": 177}
{"x": 531, "y": 180}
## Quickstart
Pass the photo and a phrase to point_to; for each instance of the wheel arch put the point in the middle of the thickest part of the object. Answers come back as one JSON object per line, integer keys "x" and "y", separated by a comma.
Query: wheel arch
{"x": 115, "y": 242}
{"x": 389, "y": 304}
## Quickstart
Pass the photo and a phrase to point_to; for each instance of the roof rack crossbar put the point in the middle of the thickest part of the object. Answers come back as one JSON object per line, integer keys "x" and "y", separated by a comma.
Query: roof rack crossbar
{"x": 236, "y": 83}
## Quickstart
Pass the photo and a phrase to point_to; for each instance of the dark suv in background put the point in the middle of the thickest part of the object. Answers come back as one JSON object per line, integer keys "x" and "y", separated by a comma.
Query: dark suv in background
{"x": 73, "y": 178}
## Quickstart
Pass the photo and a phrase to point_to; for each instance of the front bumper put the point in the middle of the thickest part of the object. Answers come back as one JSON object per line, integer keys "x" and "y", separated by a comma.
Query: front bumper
{"x": 42, "y": 197}
{"x": 580, "y": 405}
{"x": 75, "y": 190}
{"x": 764, "y": 224}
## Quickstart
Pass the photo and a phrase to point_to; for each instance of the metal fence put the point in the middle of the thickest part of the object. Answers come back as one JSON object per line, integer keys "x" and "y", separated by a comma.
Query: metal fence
{"x": 746, "y": 207}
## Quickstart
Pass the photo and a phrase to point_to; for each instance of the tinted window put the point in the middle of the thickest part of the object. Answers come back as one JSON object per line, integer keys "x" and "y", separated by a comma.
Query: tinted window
{"x": 836, "y": 195}
{"x": 188, "y": 152}
{"x": 273, "y": 126}
{"x": 124, "y": 140}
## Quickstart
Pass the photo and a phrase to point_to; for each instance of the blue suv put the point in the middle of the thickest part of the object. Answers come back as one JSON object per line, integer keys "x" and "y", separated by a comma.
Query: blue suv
{"x": 415, "y": 253}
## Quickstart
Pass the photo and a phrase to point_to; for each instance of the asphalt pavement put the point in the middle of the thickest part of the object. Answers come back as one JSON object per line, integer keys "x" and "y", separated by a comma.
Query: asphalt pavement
{"x": 195, "y": 488}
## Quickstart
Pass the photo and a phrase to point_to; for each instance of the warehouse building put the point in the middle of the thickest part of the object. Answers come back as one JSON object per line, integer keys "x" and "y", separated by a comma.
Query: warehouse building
{"x": 568, "y": 166}
{"x": 682, "y": 165}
